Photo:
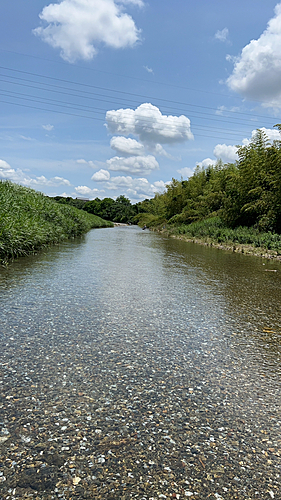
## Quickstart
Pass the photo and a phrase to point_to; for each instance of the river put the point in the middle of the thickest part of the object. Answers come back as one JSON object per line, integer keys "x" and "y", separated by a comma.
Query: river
{"x": 138, "y": 366}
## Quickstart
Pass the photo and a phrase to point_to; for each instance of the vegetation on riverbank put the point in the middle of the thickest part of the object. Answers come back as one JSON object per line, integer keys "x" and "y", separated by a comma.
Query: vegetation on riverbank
{"x": 225, "y": 203}
{"x": 30, "y": 221}
{"x": 214, "y": 232}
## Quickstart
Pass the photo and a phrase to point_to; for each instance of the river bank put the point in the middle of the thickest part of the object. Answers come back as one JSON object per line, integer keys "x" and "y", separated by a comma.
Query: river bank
{"x": 31, "y": 221}
{"x": 212, "y": 232}
{"x": 231, "y": 247}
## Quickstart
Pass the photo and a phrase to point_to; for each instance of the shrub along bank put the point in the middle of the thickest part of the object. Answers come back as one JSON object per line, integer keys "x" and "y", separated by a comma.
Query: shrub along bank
{"x": 30, "y": 221}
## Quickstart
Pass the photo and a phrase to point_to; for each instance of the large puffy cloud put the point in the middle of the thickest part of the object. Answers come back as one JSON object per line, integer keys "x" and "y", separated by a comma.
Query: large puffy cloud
{"x": 133, "y": 164}
{"x": 77, "y": 27}
{"x": 257, "y": 71}
{"x": 126, "y": 146}
{"x": 148, "y": 123}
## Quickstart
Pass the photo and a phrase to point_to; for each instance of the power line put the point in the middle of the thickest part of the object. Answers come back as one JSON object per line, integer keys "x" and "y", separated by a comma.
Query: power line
{"x": 88, "y": 117}
{"x": 124, "y": 92}
{"x": 62, "y": 104}
{"x": 198, "y": 116}
{"x": 81, "y": 93}
{"x": 127, "y": 76}
{"x": 211, "y": 116}
{"x": 95, "y": 109}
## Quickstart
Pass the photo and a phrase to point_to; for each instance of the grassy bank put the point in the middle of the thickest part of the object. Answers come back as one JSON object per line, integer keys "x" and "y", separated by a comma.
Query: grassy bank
{"x": 213, "y": 232}
{"x": 30, "y": 221}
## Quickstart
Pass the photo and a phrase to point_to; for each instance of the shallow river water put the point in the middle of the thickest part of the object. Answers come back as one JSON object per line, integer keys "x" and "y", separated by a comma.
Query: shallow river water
{"x": 136, "y": 366}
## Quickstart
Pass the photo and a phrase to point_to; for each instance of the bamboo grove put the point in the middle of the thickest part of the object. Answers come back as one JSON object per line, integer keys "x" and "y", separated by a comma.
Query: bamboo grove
{"x": 245, "y": 193}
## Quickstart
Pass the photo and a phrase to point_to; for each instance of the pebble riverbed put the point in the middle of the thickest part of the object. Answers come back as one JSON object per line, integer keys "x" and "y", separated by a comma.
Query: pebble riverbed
{"x": 133, "y": 386}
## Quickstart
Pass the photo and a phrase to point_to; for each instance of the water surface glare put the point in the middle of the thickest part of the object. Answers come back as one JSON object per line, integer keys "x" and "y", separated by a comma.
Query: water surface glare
{"x": 137, "y": 366}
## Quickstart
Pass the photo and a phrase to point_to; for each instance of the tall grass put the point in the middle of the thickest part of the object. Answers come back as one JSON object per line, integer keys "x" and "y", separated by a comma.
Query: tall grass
{"x": 30, "y": 220}
{"x": 215, "y": 230}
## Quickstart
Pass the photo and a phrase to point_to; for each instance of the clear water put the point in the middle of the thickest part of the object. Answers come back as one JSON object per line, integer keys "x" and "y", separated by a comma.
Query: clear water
{"x": 144, "y": 366}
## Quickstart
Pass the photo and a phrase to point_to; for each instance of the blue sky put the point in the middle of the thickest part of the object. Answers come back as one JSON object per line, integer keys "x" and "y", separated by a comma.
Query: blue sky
{"x": 101, "y": 97}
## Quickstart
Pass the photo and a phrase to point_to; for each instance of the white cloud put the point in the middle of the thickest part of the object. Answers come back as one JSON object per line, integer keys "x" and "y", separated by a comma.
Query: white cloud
{"x": 19, "y": 177}
{"x": 186, "y": 172}
{"x": 160, "y": 185}
{"x": 83, "y": 190}
{"x": 64, "y": 195}
{"x": 101, "y": 175}
{"x": 48, "y": 127}
{"x": 78, "y": 27}
{"x": 133, "y": 165}
{"x": 9, "y": 173}
{"x": 148, "y": 123}
{"x": 26, "y": 138}
{"x": 206, "y": 163}
{"x": 4, "y": 166}
{"x": 139, "y": 3}
{"x": 257, "y": 71}
{"x": 272, "y": 134}
{"x": 135, "y": 189}
{"x": 86, "y": 191}
{"x": 228, "y": 154}
{"x": 43, "y": 181}
{"x": 149, "y": 70}
{"x": 90, "y": 163}
{"x": 222, "y": 35}
{"x": 127, "y": 146}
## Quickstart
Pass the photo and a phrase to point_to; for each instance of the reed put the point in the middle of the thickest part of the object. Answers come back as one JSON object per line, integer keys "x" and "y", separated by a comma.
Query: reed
{"x": 29, "y": 221}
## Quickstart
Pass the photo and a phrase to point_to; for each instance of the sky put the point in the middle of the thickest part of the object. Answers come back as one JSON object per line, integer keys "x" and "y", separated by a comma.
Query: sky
{"x": 102, "y": 98}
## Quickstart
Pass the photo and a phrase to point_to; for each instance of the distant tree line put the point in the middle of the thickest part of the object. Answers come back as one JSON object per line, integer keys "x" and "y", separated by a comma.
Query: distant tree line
{"x": 119, "y": 210}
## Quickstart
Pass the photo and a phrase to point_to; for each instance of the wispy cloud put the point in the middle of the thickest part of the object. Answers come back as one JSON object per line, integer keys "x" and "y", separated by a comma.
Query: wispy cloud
{"x": 222, "y": 35}
{"x": 49, "y": 127}
{"x": 149, "y": 70}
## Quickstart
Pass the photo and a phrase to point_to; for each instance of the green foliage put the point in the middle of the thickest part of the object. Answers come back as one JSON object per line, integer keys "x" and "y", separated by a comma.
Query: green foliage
{"x": 149, "y": 220}
{"x": 29, "y": 221}
{"x": 119, "y": 210}
{"x": 215, "y": 229}
{"x": 245, "y": 193}
{"x": 74, "y": 202}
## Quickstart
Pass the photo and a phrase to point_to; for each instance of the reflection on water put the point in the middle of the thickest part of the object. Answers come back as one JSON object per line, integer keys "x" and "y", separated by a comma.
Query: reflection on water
{"x": 143, "y": 366}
